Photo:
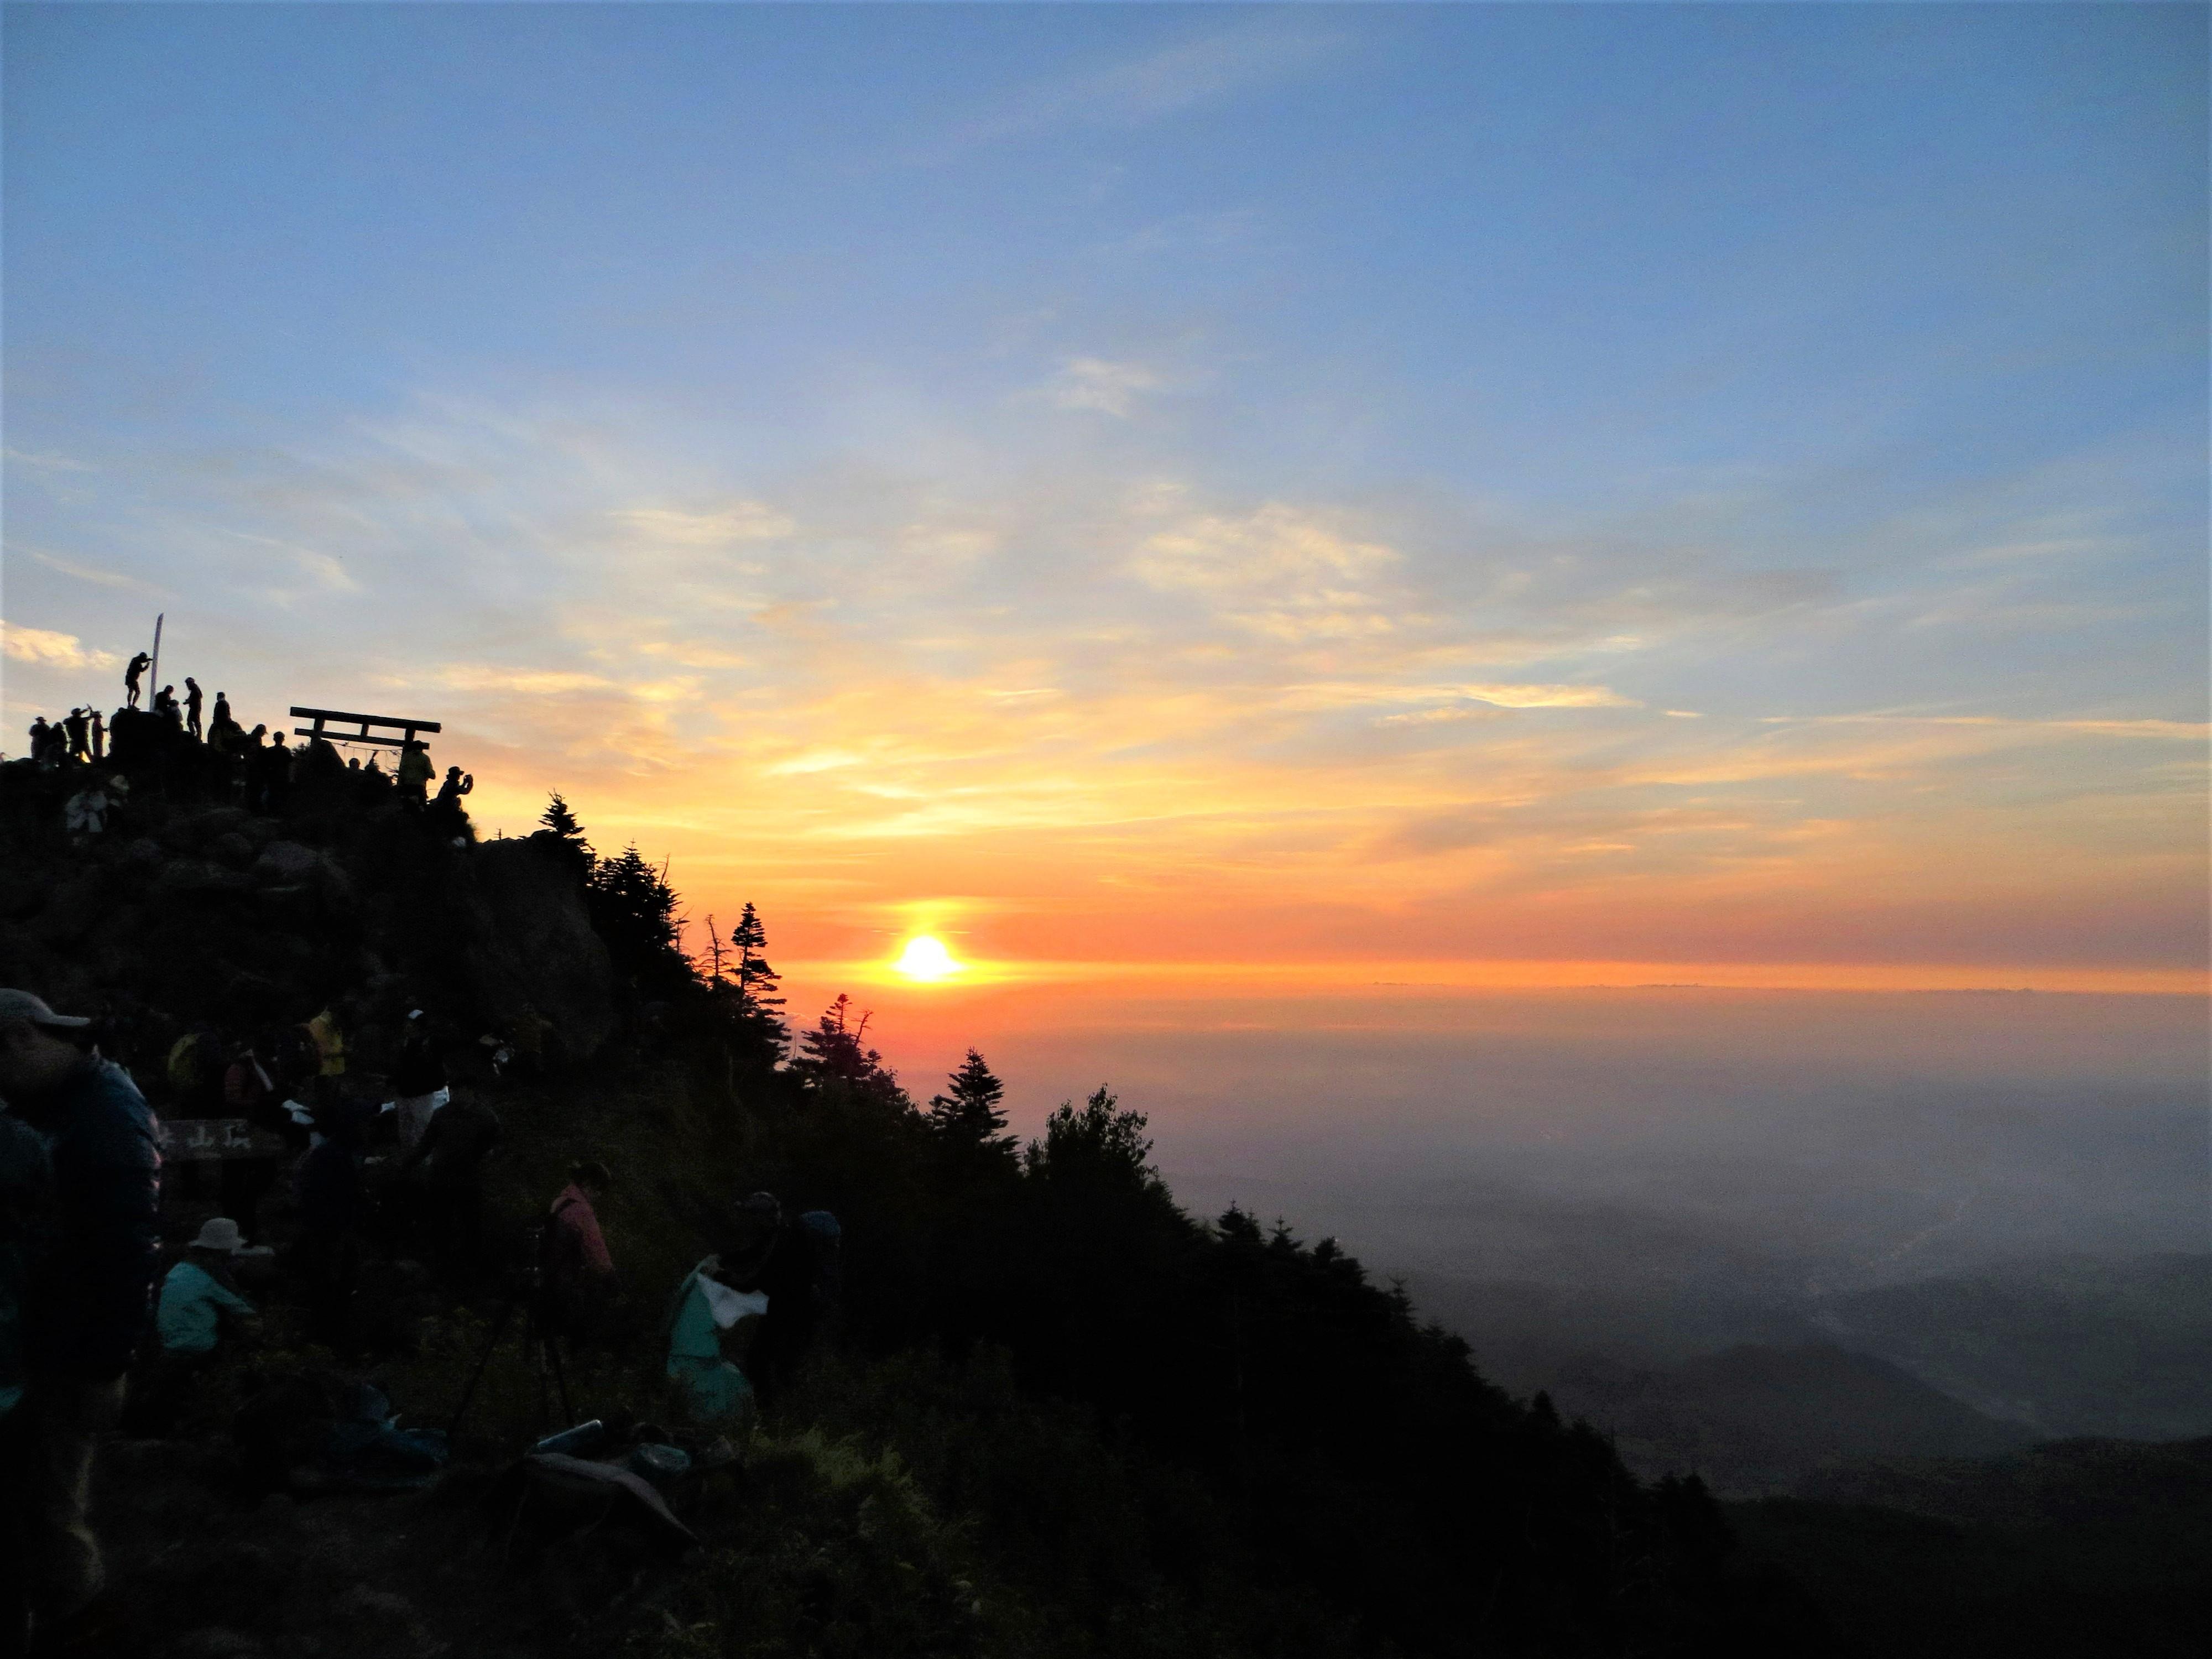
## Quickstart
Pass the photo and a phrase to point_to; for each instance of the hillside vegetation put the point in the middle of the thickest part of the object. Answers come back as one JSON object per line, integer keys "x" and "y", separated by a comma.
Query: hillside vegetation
{"x": 1058, "y": 1415}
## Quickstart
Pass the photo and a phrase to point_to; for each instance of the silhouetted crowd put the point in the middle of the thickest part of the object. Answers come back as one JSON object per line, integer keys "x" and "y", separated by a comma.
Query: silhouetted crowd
{"x": 185, "y": 749}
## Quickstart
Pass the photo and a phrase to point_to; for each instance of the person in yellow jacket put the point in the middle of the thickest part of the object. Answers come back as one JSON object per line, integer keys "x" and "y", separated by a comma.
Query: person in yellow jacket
{"x": 414, "y": 772}
{"x": 329, "y": 1039}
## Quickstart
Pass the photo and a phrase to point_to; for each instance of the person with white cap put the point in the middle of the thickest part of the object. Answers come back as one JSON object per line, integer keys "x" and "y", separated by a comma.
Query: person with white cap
{"x": 197, "y": 1297}
{"x": 198, "y": 1292}
{"x": 418, "y": 1079}
{"x": 87, "y": 1302}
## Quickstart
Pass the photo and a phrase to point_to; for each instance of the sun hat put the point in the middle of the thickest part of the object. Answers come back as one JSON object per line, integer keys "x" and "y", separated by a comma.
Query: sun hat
{"x": 220, "y": 1234}
{"x": 21, "y": 1004}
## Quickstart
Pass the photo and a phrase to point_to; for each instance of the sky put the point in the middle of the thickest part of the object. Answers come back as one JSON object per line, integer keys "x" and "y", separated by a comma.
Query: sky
{"x": 1174, "y": 502}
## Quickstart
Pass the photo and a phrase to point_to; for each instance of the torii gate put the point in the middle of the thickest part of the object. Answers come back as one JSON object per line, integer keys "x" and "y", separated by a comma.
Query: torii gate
{"x": 408, "y": 728}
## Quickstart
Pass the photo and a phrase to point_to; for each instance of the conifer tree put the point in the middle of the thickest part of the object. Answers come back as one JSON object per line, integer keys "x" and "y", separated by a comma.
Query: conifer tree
{"x": 758, "y": 984}
{"x": 833, "y": 1059}
{"x": 968, "y": 1112}
{"x": 1097, "y": 1144}
{"x": 635, "y": 910}
{"x": 559, "y": 818}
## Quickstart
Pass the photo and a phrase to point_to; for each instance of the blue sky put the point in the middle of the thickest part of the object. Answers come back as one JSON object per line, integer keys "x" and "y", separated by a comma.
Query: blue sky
{"x": 1751, "y": 455}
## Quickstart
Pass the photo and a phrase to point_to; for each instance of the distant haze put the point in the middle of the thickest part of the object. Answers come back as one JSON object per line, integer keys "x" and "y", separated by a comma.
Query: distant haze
{"x": 1759, "y": 1141}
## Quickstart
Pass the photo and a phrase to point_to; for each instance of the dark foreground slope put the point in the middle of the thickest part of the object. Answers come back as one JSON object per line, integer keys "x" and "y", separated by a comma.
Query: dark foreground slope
{"x": 1055, "y": 1415}
{"x": 2081, "y": 1547}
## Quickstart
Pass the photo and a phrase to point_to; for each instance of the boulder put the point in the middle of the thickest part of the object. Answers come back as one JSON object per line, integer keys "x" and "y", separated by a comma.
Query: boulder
{"x": 532, "y": 958}
{"x": 73, "y": 908}
{"x": 195, "y": 877}
{"x": 231, "y": 849}
{"x": 287, "y": 863}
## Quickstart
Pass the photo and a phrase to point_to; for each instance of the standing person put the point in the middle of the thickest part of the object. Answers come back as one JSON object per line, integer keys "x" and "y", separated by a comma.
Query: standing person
{"x": 580, "y": 1287}
{"x": 248, "y": 1088}
{"x": 327, "y": 1255}
{"x": 133, "y": 672}
{"x": 330, "y": 1043}
{"x": 27, "y": 1219}
{"x": 42, "y": 743}
{"x": 418, "y": 1079}
{"x": 415, "y": 771}
{"x": 195, "y": 700}
{"x": 79, "y": 732}
{"x": 87, "y": 1298}
{"x": 98, "y": 737}
{"x": 794, "y": 1261}
{"x": 249, "y": 1091}
{"x": 275, "y": 774}
{"x": 222, "y": 717}
{"x": 451, "y": 1155}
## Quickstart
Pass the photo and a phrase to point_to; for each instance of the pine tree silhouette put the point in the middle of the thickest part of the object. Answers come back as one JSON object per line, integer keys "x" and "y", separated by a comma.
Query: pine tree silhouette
{"x": 561, "y": 820}
{"x": 635, "y": 911}
{"x": 758, "y": 984}
{"x": 968, "y": 1112}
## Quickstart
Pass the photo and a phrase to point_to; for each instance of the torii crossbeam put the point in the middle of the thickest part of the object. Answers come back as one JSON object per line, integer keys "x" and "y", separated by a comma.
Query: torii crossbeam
{"x": 407, "y": 727}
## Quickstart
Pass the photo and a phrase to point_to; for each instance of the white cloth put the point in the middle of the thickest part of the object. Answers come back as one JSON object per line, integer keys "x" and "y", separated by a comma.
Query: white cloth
{"x": 415, "y": 1112}
{"x": 729, "y": 1306}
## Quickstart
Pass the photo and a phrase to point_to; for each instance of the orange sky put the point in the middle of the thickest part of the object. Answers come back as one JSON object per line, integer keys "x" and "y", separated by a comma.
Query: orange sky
{"x": 1154, "y": 495}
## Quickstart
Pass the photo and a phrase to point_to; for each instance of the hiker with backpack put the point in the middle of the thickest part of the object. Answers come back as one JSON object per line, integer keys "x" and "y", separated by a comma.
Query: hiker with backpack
{"x": 577, "y": 1274}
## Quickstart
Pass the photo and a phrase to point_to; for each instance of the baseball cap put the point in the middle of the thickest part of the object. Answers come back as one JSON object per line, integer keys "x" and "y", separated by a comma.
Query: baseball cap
{"x": 21, "y": 1004}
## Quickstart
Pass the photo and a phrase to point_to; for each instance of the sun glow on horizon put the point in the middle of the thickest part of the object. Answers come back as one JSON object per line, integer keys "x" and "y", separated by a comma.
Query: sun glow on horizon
{"x": 926, "y": 959}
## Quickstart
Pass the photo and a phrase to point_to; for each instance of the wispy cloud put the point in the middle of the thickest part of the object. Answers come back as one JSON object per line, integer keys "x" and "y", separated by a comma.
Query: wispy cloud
{"x": 1094, "y": 383}
{"x": 92, "y": 573}
{"x": 47, "y": 648}
{"x": 728, "y": 524}
{"x": 1170, "y": 80}
{"x": 47, "y": 460}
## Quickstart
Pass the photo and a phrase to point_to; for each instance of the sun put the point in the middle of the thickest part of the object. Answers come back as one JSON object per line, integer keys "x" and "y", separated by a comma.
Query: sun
{"x": 926, "y": 958}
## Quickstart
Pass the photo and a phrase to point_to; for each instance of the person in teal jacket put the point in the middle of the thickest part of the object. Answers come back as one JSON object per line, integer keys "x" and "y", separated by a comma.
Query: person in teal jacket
{"x": 197, "y": 1300}
{"x": 197, "y": 1293}
{"x": 705, "y": 1307}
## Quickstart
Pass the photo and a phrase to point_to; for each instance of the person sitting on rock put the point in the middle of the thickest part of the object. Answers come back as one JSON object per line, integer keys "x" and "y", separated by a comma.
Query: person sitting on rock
{"x": 198, "y": 1300}
{"x": 165, "y": 705}
{"x": 706, "y": 1305}
{"x": 199, "y": 1291}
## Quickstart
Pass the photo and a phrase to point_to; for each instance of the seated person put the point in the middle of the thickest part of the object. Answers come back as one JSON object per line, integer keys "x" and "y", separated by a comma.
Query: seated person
{"x": 197, "y": 1297}
{"x": 706, "y": 1305}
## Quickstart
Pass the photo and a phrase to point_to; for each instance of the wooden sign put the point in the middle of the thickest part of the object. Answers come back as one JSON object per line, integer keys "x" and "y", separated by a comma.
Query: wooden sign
{"x": 216, "y": 1139}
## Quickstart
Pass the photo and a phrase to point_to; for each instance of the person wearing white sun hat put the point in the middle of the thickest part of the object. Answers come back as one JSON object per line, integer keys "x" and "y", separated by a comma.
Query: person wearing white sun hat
{"x": 198, "y": 1300}
{"x": 198, "y": 1292}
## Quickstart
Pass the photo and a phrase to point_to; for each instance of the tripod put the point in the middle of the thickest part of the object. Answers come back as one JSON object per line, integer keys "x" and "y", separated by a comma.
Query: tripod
{"x": 541, "y": 1346}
